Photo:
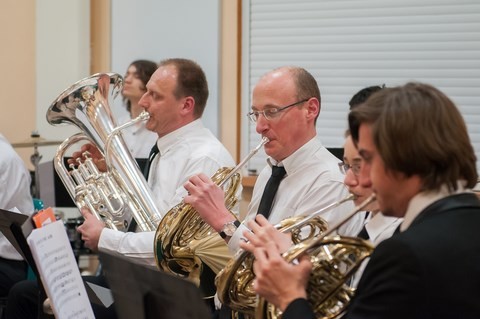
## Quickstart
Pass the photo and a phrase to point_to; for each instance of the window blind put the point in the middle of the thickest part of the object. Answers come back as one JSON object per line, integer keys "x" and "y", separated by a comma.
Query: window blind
{"x": 348, "y": 45}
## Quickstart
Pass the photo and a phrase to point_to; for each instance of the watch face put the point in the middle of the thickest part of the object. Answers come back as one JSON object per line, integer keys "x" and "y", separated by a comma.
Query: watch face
{"x": 229, "y": 229}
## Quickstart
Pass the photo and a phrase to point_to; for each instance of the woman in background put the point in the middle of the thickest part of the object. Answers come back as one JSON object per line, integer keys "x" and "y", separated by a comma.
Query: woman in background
{"x": 139, "y": 140}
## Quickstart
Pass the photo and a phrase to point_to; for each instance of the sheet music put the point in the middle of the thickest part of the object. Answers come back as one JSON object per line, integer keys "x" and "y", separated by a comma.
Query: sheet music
{"x": 59, "y": 272}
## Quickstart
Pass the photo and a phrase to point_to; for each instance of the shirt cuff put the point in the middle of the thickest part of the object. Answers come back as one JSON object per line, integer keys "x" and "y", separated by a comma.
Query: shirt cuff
{"x": 133, "y": 245}
{"x": 110, "y": 239}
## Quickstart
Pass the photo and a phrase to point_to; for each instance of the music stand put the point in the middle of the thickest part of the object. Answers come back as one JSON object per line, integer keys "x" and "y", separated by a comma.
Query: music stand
{"x": 147, "y": 293}
{"x": 15, "y": 228}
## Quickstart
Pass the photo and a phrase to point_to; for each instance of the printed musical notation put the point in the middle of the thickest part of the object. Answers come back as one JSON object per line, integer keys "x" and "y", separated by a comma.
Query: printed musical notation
{"x": 59, "y": 272}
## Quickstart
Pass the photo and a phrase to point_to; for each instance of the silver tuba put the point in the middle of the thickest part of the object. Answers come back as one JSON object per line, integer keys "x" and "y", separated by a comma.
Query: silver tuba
{"x": 120, "y": 193}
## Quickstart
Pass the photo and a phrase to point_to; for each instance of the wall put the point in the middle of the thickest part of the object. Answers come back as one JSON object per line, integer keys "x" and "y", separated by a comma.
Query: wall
{"x": 62, "y": 58}
{"x": 50, "y": 47}
{"x": 17, "y": 83}
{"x": 160, "y": 29}
{"x": 45, "y": 49}
{"x": 229, "y": 77}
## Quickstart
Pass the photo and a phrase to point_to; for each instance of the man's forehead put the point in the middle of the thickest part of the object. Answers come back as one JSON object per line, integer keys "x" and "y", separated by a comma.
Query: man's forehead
{"x": 364, "y": 142}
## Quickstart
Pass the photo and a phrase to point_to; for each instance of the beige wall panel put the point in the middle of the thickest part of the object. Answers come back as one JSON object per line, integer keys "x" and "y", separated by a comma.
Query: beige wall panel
{"x": 17, "y": 83}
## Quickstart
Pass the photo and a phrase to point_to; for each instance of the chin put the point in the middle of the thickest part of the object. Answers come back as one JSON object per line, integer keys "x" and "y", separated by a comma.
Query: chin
{"x": 272, "y": 150}
{"x": 386, "y": 211}
{"x": 149, "y": 126}
{"x": 357, "y": 202}
{"x": 268, "y": 150}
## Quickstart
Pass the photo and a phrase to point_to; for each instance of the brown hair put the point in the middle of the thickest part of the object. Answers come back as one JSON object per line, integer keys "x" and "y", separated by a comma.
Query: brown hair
{"x": 418, "y": 130}
{"x": 191, "y": 81}
{"x": 144, "y": 70}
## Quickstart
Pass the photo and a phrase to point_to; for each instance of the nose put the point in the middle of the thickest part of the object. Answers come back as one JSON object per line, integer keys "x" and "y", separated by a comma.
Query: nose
{"x": 144, "y": 101}
{"x": 262, "y": 124}
{"x": 350, "y": 179}
{"x": 364, "y": 176}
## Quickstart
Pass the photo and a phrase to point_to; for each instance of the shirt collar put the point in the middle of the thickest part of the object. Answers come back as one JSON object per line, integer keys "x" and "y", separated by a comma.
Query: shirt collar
{"x": 166, "y": 142}
{"x": 378, "y": 223}
{"x": 423, "y": 199}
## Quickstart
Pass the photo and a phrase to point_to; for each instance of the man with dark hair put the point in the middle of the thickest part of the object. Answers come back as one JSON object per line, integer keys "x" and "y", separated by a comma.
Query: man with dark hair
{"x": 362, "y": 95}
{"x": 175, "y": 98}
{"x": 418, "y": 157}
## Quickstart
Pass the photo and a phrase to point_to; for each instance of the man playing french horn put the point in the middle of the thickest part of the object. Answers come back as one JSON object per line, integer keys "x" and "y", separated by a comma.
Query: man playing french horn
{"x": 418, "y": 158}
{"x": 285, "y": 108}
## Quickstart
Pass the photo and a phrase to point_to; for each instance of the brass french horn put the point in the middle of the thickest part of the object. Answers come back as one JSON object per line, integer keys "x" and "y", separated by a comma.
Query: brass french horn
{"x": 335, "y": 260}
{"x": 184, "y": 242}
{"x": 234, "y": 282}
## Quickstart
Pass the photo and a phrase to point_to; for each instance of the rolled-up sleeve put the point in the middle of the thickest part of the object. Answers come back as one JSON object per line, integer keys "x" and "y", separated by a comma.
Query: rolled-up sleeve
{"x": 135, "y": 245}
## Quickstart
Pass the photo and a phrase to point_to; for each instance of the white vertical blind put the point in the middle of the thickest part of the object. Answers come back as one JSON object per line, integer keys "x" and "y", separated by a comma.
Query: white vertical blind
{"x": 348, "y": 45}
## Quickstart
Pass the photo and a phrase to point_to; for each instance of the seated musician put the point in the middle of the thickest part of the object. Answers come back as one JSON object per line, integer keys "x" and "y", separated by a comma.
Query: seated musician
{"x": 176, "y": 97}
{"x": 420, "y": 162}
{"x": 286, "y": 105}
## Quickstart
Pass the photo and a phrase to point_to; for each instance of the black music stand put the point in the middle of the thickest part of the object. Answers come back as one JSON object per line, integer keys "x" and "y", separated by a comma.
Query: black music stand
{"x": 146, "y": 293}
{"x": 16, "y": 228}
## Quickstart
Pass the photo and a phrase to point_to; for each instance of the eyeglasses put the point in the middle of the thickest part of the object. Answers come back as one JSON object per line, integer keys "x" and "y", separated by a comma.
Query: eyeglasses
{"x": 344, "y": 167}
{"x": 271, "y": 113}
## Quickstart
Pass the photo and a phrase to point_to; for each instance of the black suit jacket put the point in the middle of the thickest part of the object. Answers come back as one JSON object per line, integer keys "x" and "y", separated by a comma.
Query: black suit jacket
{"x": 431, "y": 270}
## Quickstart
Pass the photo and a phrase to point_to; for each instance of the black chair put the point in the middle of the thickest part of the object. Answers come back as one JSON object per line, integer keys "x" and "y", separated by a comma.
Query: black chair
{"x": 337, "y": 151}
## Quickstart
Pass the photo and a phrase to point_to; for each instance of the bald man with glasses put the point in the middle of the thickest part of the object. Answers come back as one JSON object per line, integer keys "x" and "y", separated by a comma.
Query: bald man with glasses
{"x": 286, "y": 105}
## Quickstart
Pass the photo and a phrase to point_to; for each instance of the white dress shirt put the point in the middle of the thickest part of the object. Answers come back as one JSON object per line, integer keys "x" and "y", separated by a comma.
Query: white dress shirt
{"x": 381, "y": 227}
{"x": 139, "y": 140}
{"x": 190, "y": 150}
{"x": 14, "y": 191}
{"x": 312, "y": 182}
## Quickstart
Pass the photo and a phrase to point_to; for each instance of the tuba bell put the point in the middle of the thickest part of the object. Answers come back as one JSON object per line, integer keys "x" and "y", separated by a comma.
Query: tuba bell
{"x": 120, "y": 193}
{"x": 335, "y": 260}
{"x": 184, "y": 242}
{"x": 234, "y": 282}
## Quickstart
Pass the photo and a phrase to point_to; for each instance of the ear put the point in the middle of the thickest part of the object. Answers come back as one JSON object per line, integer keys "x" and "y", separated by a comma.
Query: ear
{"x": 313, "y": 108}
{"x": 188, "y": 105}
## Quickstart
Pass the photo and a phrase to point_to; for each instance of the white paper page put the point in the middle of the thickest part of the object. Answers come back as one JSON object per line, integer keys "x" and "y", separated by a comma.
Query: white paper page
{"x": 59, "y": 272}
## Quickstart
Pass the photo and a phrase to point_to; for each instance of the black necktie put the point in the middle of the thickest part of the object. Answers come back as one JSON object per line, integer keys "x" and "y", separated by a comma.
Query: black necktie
{"x": 363, "y": 233}
{"x": 153, "y": 152}
{"x": 278, "y": 172}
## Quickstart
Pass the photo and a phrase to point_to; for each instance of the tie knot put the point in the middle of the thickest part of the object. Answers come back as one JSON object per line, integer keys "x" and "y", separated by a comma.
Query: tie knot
{"x": 153, "y": 152}
{"x": 278, "y": 171}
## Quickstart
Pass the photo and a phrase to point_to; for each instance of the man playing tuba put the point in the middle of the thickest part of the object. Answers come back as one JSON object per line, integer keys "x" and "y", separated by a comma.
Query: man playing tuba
{"x": 176, "y": 97}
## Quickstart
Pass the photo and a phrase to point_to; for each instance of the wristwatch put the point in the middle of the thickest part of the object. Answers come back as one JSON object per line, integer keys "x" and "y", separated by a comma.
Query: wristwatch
{"x": 229, "y": 228}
